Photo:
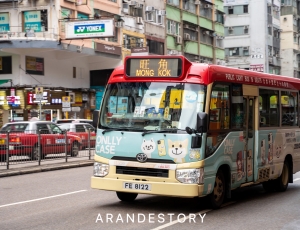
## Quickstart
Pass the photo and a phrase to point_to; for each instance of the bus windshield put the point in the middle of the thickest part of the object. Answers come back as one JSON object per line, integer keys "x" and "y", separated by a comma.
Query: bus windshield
{"x": 151, "y": 105}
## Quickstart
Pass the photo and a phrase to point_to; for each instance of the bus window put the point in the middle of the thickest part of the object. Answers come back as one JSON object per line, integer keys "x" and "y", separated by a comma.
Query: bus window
{"x": 219, "y": 117}
{"x": 289, "y": 108}
{"x": 237, "y": 117}
{"x": 219, "y": 108}
{"x": 269, "y": 108}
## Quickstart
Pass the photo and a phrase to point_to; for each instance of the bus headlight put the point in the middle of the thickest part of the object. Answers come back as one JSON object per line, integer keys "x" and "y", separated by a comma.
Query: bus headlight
{"x": 190, "y": 176}
{"x": 100, "y": 169}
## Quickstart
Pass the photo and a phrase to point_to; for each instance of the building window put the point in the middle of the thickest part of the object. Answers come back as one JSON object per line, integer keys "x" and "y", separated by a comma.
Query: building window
{"x": 136, "y": 11}
{"x": 6, "y": 65}
{"x": 230, "y": 9}
{"x": 234, "y": 51}
{"x": 155, "y": 47}
{"x": 270, "y": 29}
{"x": 206, "y": 11}
{"x": 35, "y": 21}
{"x": 132, "y": 42}
{"x": 220, "y": 17}
{"x": 245, "y": 9}
{"x": 173, "y": 27}
{"x": 230, "y": 30}
{"x": 246, "y": 29}
{"x": 4, "y": 22}
{"x": 173, "y": 2}
{"x": 82, "y": 16}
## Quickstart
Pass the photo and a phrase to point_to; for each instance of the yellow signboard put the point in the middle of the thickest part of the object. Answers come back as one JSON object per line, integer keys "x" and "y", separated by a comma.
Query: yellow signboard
{"x": 39, "y": 90}
{"x": 66, "y": 99}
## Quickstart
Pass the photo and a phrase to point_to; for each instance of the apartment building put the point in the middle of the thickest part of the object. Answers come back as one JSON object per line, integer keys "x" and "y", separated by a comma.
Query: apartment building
{"x": 252, "y": 35}
{"x": 195, "y": 29}
{"x": 290, "y": 40}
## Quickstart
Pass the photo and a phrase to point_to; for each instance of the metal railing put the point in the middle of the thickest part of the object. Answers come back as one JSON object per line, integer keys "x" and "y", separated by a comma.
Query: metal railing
{"x": 39, "y": 146}
{"x": 19, "y": 32}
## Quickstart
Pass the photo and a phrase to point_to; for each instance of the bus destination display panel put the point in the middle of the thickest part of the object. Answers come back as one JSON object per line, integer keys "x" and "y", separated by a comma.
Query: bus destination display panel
{"x": 153, "y": 67}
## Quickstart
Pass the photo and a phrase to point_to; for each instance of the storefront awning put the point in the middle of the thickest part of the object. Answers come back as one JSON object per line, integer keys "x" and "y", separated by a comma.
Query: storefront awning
{"x": 3, "y": 81}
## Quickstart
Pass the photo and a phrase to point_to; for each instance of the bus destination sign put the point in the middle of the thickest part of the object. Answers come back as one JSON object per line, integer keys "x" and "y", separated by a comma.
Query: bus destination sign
{"x": 153, "y": 67}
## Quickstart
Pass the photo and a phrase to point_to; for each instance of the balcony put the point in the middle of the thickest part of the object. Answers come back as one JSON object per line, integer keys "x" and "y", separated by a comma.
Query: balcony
{"x": 18, "y": 33}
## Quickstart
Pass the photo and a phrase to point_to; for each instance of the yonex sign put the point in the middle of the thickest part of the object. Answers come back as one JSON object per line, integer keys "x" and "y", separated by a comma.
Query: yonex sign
{"x": 90, "y": 29}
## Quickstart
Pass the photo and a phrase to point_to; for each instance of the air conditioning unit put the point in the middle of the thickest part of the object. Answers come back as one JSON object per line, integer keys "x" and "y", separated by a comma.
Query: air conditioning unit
{"x": 139, "y": 20}
{"x": 246, "y": 48}
{"x": 246, "y": 27}
{"x": 230, "y": 7}
{"x": 132, "y": 3}
{"x": 178, "y": 39}
{"x": 230, "y": 28}
{"x": 4, "y": 37}
{"x": 161, "y": 12}
{"x": 207, "y": 6}
{"x": 277, "y": 55}
{"x": 197, "y": 2}
{"x": 206, "y": 32}
{"x": 187, "y": 36}
{"x": 149, "y": 8}
{"x": 269, "y": 25}
{"x": 186, "y": 26}
{"x": 282, "y": 4}
{"x": 174, "y": 52}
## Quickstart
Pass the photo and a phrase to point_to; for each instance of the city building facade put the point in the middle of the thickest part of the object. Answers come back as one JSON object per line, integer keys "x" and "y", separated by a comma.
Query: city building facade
{"x": 252, "y": 35}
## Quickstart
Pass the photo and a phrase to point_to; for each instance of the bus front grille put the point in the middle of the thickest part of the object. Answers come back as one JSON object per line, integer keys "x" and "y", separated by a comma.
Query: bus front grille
{"x": 142, "y": 171}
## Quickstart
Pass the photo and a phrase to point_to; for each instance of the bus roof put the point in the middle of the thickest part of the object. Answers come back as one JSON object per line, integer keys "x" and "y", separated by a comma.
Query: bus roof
{"x": 201, "y": 73}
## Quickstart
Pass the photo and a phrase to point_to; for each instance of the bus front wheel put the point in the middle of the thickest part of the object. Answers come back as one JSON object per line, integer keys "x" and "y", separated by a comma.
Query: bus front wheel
{"x": 126, "y": 196}
{"x": 218, "y": 195}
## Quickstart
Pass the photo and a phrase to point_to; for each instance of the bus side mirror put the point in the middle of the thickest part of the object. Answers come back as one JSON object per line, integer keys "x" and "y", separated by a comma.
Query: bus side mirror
{"x": 95, "y": 118}
{"x": 202, "y": 122}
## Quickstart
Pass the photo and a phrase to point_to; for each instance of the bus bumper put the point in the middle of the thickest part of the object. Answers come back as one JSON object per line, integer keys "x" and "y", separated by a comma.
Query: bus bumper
{"x": 157, "y": 188}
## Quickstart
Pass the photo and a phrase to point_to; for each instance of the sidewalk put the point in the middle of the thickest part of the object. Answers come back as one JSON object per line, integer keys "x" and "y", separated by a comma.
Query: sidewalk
{"x": 44, "y": 168}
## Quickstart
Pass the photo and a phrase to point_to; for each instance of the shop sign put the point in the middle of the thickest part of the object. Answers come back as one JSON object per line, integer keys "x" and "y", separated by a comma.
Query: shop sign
{"x": 108, "y": 49}
{"x": 34, "y": 65}
{"x": 76, "y": 109}
{"x": 90, "y": 28}
{"x": 13, "y": 100}
{"x": 33, "y": 100}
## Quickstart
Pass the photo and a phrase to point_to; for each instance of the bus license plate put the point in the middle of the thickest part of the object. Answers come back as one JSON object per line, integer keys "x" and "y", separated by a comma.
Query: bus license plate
{"x": 136, "y": 186}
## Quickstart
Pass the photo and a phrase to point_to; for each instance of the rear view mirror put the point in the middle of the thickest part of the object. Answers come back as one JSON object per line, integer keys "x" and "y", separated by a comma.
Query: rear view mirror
{"x": 202, "y": 122}
{"x": 95, "y": 118}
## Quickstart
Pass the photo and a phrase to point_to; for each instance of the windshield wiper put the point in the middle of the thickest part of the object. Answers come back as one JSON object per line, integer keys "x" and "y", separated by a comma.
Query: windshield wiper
{"x": 121, "y": 129}
{"x": 161, "y": 131}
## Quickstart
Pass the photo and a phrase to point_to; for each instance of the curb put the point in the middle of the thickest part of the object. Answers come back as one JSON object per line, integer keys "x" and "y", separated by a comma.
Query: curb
{"x": 45, "y": 168}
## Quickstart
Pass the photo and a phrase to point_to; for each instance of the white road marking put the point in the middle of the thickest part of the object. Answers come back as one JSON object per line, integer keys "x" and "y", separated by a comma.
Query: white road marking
{"x": 44, "y": 198}
{"x": 296, "y": 179}
{"x": 179, "y": 220}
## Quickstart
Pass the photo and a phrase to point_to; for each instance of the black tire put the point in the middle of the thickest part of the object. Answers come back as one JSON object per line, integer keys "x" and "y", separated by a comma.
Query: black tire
{"x": 282, "y": 182}
{"x": 35, "y": 153}
{"x": 75, "y": 149}
{"x": 124, "y": 196}
{"x": 3, "y": 157}
{"x": 217, "y": 197}
{"x": 269, "y": 186}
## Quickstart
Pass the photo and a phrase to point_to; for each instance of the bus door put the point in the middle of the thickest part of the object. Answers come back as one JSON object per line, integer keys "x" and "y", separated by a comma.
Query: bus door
{"x": 250, "y": 94}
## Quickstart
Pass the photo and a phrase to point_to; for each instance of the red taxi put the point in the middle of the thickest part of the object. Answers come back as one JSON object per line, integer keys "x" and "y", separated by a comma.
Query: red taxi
{"x": 81, "y": 130}
{"x": 23, "y": 139}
